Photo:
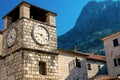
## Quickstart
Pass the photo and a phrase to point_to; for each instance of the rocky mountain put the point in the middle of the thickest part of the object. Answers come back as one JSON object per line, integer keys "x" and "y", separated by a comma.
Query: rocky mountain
{"x": 96, "y": 20}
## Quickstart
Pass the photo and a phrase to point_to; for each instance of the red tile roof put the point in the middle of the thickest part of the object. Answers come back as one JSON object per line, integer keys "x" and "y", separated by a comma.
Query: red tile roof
{"x": 96, "y": 57}
{"x": 78, "y": 53}
{"x": 88, "y": 56}
{"x": 1, "y": 31}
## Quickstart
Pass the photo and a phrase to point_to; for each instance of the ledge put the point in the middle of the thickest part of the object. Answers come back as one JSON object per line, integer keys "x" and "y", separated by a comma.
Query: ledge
{"x": 41, "y": 51}
{"x": 28, "y": 49}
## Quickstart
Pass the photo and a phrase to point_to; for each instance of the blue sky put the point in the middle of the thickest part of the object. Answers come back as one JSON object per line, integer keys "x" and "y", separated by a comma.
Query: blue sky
{"x": 67, "y": 10}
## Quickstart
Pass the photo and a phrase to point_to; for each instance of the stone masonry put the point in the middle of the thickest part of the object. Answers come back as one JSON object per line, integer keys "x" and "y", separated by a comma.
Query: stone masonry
{"x": 31, "y": 61}
{"x": 28, "y": 41}
{"x": 26, "y": 59}
{"x": 1, "y": 42}
{"x": 67, "y": 65}
{"x": 12, "y": 67}
{"x": 23, "y": 60}
{"x": 96, "y": 67}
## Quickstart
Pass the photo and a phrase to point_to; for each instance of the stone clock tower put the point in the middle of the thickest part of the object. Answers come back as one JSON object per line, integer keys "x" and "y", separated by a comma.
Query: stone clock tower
{"x": 29, "y": 44}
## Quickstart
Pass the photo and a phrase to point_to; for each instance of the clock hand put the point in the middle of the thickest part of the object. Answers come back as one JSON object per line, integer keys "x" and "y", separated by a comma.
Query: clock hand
{"x": 39, "y": 34}
{"x": 42, "y": 36}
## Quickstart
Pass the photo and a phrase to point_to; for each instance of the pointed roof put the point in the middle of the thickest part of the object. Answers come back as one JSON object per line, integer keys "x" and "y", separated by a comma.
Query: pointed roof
{"x": 96, "y": 57}
{"x": 110, "y": 36}
{"x": 87, "y": 55}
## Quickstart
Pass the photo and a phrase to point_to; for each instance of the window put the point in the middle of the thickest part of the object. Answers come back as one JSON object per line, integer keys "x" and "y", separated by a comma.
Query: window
{"x": 78, "y": 63}
{"x": 99, "y": 68}
{"x": 89, "y": 66}
{"x": 115, "y": 42}
{"x": 118, "y": 61}
{"x": 78, "y": 78}
{"x": 115, "y": 62}
{"x": 42, "y": 68}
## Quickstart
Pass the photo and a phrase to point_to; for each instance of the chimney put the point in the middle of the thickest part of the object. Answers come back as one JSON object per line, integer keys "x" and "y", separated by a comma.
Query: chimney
{"x": 74, "y": 49}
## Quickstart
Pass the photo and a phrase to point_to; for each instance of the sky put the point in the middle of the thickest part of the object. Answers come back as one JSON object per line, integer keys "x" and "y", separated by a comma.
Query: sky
{"x": 67, "y": 11}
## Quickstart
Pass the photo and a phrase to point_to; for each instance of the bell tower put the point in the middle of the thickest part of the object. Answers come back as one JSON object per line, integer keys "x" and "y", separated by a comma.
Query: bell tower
{"x": 29, "y": 44}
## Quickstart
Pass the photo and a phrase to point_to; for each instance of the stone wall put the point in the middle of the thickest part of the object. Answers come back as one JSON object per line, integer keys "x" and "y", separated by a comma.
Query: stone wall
{"x": 24, "y": 28}
{"x": 24, "y": 65}
{"x": 97, "y": 67}
{"x": 21, "y": 61}
{"x": 31, "y": 66}
{"x": 67, "y": 66}
{"x": 17, "y": 69}
{"x": 28, "y": 40}
{"x": 51, "y": 19}
{"x": 1, "y": 43}
{"x": 18, "y": 26}
{"x": 11, "y": 67}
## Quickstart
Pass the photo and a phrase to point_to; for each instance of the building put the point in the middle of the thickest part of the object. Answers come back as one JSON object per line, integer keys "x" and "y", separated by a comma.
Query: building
{"x": 80, "y": 66}
{"x": 112, "y": 50}
{"x": 28, "y": 54}
{"x": 96, "y": 65}
{"x": 72, "y": 65}
{"x": 1, "y": 41}
{"x": 29, "y": 49}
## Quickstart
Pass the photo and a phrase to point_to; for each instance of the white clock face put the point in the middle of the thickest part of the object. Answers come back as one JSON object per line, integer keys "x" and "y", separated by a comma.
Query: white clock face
{"x": 11, "y": 37}
{"x": 41, "y": 35}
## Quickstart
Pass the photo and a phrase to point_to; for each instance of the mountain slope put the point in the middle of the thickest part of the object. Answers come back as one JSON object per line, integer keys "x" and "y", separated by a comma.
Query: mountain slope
{"x": 97, "y": 20}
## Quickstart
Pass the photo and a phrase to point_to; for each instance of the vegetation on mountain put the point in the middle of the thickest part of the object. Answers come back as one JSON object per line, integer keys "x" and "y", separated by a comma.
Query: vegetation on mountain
{"x": 96, "y": 20}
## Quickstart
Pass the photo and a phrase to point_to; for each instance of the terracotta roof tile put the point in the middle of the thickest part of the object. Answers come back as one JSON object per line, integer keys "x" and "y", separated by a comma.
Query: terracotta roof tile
{"x": 96, "y": 57}
{"x": 78, "y": 53}
{"x": 88, "y": 56}
{"x": 1, "y": 31}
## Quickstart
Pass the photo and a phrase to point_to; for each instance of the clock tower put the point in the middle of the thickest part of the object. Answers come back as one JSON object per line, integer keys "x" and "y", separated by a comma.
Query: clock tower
{"x": 29, "y": 44}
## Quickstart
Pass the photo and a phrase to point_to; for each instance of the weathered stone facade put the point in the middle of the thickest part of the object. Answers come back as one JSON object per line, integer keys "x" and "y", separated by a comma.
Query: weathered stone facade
{"x": 67, "y": 65}
{"x": 112, "y": 50}
{"x": 97, "y": 68}
{"x": 24, "y": 65}
{"x": 26, "y": 59}
{"x": 31, "y": 66}
{"x": 28, "y": 41}
{"x": 11, "y": 67}
{"x": 1, "y": 42}
{"x": 18, "y": 25}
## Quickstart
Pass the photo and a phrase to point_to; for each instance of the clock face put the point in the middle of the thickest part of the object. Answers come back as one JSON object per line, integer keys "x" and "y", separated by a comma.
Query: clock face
{"x": 11, "y": 37}
{"x": 41, "y": 35}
